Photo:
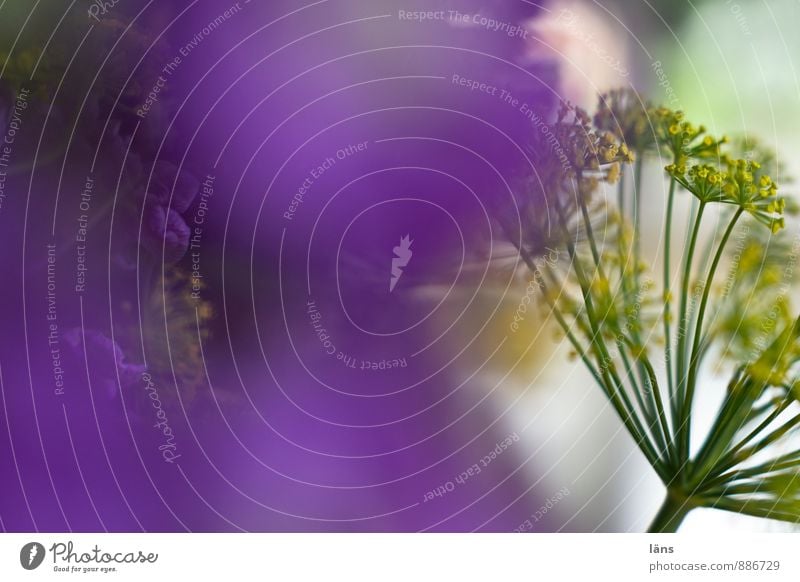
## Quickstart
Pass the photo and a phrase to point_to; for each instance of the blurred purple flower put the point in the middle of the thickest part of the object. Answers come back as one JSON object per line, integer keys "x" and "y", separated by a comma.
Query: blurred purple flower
{"x": 165, "y": 228}
{"x": 105, "y": 358}
{"x": 168, "y": 182}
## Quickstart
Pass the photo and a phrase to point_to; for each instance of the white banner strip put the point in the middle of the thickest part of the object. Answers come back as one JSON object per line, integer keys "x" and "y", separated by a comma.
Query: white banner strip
{"x": 398, "y": 557}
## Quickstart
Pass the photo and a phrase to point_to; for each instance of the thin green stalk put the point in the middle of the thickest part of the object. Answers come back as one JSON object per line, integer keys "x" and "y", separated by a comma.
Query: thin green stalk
{"x": 628, "y": 294}
{"x": 759, "y": 410}
{"x": 572, "y": 339}
{"x": 598, "y": 264}
{"x": 649, "y": 411}
{"x": 708, "y": 247}
{"x": 694, "y": 360}
{"x": 650, "y": 418}
{"x": 724, "y": 428}
{"x": 715, "y": 471}
{"x": 668, "y": 294}
{"x": 637, "y": 210}
{"x": 617, "y": 395}
{"x": 683, "y": 421}
{"x": 764, "y": 509}
{"x": 590, "y": 236}
{"x": 749, "y": 488}
{"x": 732, "y": 460}
{"x": 655, "y": 393}
{"x": 787, "y": 461}
{"x": 761, "y": 427}
{"x": 558, "y": 315}
{"x": 685, "y": 320}
{"x": 717, "y": 308}
{"x": 637, "y": 242}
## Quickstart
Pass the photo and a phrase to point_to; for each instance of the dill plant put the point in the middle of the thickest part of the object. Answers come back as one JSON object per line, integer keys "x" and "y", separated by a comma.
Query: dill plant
{"x": 650, "y": 340}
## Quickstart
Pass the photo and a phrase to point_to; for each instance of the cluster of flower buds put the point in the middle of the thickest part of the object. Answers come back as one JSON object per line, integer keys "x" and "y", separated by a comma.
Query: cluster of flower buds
{"x": 737, "y": 186}
{"x": 683, "y": 139}
{"x": 623, "y": 113}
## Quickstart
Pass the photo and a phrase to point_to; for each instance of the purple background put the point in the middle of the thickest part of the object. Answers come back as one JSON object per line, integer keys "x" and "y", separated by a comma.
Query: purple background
{"x": 273, "y": 433}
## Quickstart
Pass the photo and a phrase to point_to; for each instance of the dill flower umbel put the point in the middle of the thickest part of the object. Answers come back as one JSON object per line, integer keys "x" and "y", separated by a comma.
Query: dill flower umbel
{"x": 602, "y": 298}
{"x": 683, "y": 139}
{"x": 736, "y": 185}
{"x": 623, "y": 113}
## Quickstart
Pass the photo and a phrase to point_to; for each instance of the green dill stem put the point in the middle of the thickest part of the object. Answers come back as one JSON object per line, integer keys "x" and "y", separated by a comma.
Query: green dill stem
{"x": 655, "y": 392}
{"x": 684, "y": 421}
{"x": 575, "y": 343}
{"x": 667, "y": 297}
{"x": 637, "y": 211}
{"x": 571, "y": 337}
{"x": 724, "y": 428}
{"x": 764, "y": 509}
{"x": 651, "y": 420}
{"x": 637, "y": 240}
{"x": 709, "y": 246}
{"x": 671, "y": 514}
{"x": 759, "y": 410}
{"x": 686, "y": 320}
{"x": 760, "y": 428}
{"x": 733, "y": 459}
{"x": 590, "y": 235}
{"x": 627, "y": 294}
{"x": 787, "y": 461}
{"x": 694, "y": 360}
{"x": 748, "y": 488}
{"x": 621, "y": 191}
{"x": 619, "y": 399}
{"x": 637, "y": 222}
{"x": 559, "y": 317}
